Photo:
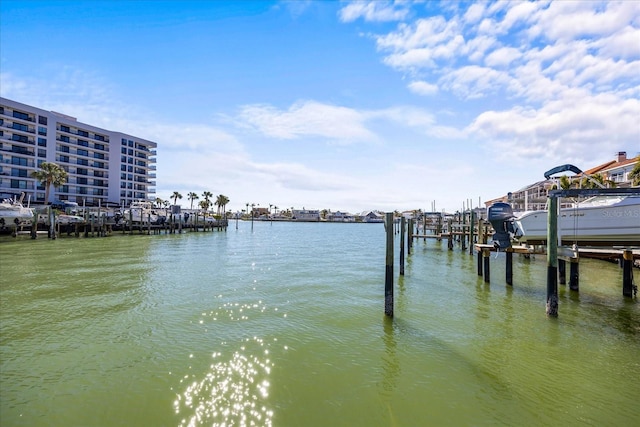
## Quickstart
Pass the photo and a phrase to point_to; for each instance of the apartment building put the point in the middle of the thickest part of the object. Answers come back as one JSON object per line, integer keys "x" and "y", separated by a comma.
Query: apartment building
{"x": 104, "y": 166}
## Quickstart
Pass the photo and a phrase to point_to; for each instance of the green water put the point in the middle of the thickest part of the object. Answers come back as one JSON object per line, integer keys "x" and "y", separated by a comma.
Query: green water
{"x": 284, "y": 326}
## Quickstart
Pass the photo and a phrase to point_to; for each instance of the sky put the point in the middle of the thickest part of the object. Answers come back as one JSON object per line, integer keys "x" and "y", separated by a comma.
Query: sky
{"x": 346, "y": 106}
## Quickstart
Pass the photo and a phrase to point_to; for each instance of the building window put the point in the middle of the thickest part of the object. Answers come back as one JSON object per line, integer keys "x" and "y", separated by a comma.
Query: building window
{"x": 18, "y": 183}
{"x": 20, "y": 115}
{"x": 99, "y": 147}
{"x": 83, "y": 143}
{"x": 123, "y": 150}
{"x": 130, "y": 143}
{"x": 20, "y": 126}
{"x": 22, "y": 173}
{"x": 64, "y": 128}
{"x": 42, "y": 152}
{"x": 64, "y": 159}
{"x": 124, "y": 141}
{"x": 123, "y": 176}
{"x": 19, "y": 161}
{"x": 83, "y": 152}
{"x": 42, "y": 142}
{"x": 98, "y": 156}
{"x": 99, "y": 137}
{"x": 123, "y": 168}
{"x": 42, "y": 120}
{"x": 19, "y": 138}
{"x": 64, "y": 148}
{"x": 42, "y": 130}
{"x": 83, "y": 133}
{"x": 83, "y": 162}
{"x": 64, "y": 138}
{"x": 82, "y": 181}
{"x": 81, "y": 171}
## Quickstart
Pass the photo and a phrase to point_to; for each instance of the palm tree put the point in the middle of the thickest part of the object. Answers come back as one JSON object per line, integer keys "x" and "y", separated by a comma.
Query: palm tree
{"x": 634, "y": 176}
{"x": 565, "y": 182}
{"x": 50, "y": 174}
{"x": 221, "y": 202}
{"x": 588, "y": 183}
{"x": 192, "y": 196}
{"x": 207, "y": 195}
{"x": 159, "y": 202}
{"x": 175, "y": 196}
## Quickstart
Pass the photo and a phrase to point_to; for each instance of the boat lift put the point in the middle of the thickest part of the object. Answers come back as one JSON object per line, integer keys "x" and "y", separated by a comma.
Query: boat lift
{"x": 628, "y": 289}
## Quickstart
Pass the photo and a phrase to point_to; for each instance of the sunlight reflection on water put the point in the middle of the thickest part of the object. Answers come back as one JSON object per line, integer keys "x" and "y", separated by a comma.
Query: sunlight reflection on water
{"x": 232, "y": 393}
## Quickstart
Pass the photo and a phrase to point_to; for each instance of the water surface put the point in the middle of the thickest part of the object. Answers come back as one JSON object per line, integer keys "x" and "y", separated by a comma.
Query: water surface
{"x": 283, "y": 325}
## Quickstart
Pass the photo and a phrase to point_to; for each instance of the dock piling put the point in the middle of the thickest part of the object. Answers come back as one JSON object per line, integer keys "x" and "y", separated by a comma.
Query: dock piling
{"x": 486, "y": 254}
{"x": 509, "y": 266}
{"x": 574, "y": 274}
{"x": 627, "y": 274}
{"x": 552, "y": 258}
{"x": 388, "y": 279}
{"x": 402, "y": 224}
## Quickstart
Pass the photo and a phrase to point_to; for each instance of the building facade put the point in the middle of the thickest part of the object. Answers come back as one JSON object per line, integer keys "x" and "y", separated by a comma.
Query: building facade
{"x": 104, "y": 167}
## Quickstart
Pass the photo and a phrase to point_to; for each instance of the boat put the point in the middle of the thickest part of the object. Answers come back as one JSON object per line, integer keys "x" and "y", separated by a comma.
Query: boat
{"x": 597, "y": 221}
{"x": 12, "y": 211}
{"x": 65, "y": 219}
{"x": 608, "y": 217}
{"x": 140, "y": 212}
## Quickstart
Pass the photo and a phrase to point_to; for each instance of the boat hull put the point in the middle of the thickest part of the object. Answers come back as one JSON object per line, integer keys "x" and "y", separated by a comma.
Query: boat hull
{"x": 596, "y": 224}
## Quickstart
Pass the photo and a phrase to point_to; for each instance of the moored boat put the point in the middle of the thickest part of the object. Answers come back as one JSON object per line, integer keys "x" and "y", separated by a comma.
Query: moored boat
{"x": 12, "y": 212}
{"x": 140, "y": 212}
{"x": 600, "y": 220}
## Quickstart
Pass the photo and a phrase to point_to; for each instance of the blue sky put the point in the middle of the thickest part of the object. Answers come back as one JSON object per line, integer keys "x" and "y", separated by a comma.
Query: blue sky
{"x": 345, "y": 106}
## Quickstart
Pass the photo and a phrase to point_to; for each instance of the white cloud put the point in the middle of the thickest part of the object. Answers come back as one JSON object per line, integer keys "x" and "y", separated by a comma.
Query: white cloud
{"x": 502, "y": 57}
{"x": 474, "y": 82}
{"x": 374, "y": 11}
{"x": 308, "y": 119}
{"x": 423, "y": 88}
{"x": 568, "y": 128}
{"x": 474, "y": 13}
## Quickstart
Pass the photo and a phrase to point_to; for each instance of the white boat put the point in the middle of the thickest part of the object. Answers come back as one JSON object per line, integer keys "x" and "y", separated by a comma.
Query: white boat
{"x": 64, "y": 219}
{"x": 12, "y": 212}
{"x": 600, "y": 220}
{"x": 141, "y": 212}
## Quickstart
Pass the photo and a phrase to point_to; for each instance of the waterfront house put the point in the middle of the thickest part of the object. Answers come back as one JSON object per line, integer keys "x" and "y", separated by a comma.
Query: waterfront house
{"x": 305, "y": 215}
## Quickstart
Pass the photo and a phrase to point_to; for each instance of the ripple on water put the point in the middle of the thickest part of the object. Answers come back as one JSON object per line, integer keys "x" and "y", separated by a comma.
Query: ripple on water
{"x": 231, "y": 391}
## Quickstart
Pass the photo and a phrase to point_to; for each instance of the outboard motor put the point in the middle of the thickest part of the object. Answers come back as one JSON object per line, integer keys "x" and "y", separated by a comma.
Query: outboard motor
{"x": 500, "y": 215}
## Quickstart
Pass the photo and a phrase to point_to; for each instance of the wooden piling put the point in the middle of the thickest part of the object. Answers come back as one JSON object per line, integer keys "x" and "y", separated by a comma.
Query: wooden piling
{"x": 562, "y": 271}
{"x": 450, "y": 236}
{"x": 34, "y": 226}
{"x": 509, "y": 266}
{"x": 471, "y": 227}
{"x": 627, "y": 273}
{"x": 52, "y": 223}
{"x": 574, "y": 274}
{"x": 402, "y": 224}
{"x": 410, "y": 235}
{"x": 388, "y": 281}
{"x": 486, "y": 254}
{"x": 479, "y": 252}
{"x": 552, "y": 258}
